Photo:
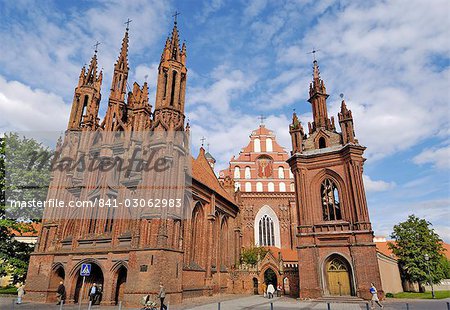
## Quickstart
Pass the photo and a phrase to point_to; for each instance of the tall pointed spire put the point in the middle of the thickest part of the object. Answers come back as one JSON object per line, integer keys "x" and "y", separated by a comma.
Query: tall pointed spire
{"x": 318, "y": 99}
{"x": 114, "y": 118}
{"x": 171, "y": 87}
{"x": 85, "y": 105}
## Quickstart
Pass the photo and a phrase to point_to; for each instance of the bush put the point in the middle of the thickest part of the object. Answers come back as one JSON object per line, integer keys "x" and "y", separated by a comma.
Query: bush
{"x": 389, "y": 295}
{"x": 10, "y": 290}
{"x": 251, "y": 256}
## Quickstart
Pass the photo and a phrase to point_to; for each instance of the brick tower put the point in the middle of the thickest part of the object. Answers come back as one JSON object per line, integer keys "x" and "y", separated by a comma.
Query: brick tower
{"x": 336, "y": 254}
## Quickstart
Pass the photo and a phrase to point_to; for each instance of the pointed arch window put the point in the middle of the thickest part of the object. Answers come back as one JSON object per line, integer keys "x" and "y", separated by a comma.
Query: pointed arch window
{"x": 266, "y": 231}
{"x": 172, "y": 91}
{"x": 331, "y": 205}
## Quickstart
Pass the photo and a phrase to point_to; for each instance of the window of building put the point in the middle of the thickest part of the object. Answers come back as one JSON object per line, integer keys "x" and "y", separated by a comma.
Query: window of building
{"x": 322, "y": 143}
{"x": 237, "y": 172}
{"x": 248, "y": 187}
{"x": 282, "y": 187}
{"x": 269, "y": 147}
{"x": 291, "y": 175}
{"x": 330, "y": 201}
{"x": 280, "y": 173}
{"x": 248, "y": 174}
{"x": 271, "y": 187}
{"x": 237, "y": 186}
{"x": 257, "y": 145}
{"x": 259, "y": 187}
{"x": 266, "y": 231}
{"x": 292, "y": 187}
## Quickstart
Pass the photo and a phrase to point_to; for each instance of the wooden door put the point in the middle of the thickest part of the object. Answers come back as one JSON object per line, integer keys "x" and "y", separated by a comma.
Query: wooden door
{"x": 338, "y": 278}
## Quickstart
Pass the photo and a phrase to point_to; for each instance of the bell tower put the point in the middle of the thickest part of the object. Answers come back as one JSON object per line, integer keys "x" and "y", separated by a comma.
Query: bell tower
{"x": 171, "y": 85}
{"x": 336, "y": 253}
{"x": 86, "y": 101}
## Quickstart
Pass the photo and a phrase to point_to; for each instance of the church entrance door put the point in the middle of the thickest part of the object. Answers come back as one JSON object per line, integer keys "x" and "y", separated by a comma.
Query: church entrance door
{"x": 95, "y": 277}
{"x": 338, "y": 274}
{"x": 270, "y": 277}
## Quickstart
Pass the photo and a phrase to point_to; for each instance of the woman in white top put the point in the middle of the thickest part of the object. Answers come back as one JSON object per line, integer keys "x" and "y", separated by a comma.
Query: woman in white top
{"x": 270, "y": 290}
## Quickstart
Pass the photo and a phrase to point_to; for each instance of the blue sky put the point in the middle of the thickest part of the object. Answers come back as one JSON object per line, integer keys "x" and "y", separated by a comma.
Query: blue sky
{"x": 390, "y": 59}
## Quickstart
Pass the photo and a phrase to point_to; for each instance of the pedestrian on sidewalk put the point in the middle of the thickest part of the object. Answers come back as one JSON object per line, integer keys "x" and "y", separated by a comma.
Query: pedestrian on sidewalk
{"x": 61, "y": 293}
{"x": 93, "y": 293}
{"x": 162, "y": 295}
{"x": 264, "y": 289}
{"x": 270, "y": 290}
{"x": 20, "y": 293}
{"x": 375, "y": 299}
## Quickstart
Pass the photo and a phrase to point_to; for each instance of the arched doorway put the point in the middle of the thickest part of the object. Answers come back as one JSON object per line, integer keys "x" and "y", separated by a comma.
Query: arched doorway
{"x": 120, "y": 286}
{"x": 255, "y": 286}
{"x": 270, "y": 277}
{"x": 95, "y": 277}
{"x": 338, "y": 274}
{"x": 58, "y": 274}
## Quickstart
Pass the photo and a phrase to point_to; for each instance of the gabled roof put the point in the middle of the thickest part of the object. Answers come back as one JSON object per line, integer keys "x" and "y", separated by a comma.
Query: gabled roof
{"x": 383, "y": 248}
{"x": 203, "y": 173}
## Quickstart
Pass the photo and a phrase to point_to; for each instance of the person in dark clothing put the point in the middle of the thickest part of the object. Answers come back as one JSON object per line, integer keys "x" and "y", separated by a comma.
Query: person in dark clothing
{"x": 61, "y": 293}
{"x": 162, "y": 295}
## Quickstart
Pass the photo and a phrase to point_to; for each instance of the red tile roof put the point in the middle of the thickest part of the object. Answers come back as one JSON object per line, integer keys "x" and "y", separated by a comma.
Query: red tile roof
{"x": 203, "y": 173}
{"x": 288, "y": 255}
{"x": 383, "y": 247}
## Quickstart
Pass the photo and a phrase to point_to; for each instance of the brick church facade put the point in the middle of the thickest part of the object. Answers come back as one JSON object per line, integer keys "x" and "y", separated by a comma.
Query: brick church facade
{"x": 308, "y": 207}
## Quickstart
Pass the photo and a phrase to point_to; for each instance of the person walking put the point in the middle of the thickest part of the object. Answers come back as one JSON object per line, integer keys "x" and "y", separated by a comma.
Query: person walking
{"x": 279, "y": 290}
{"x": 20, "y": 293}
{"x": 61, "y": 293}
{"x": 375, "y": 299}
{"x": 93, "y": 293}
{"x": 270, "y": 290}
{"x": 162, "y": 295}
{"x": 264, "y": 289}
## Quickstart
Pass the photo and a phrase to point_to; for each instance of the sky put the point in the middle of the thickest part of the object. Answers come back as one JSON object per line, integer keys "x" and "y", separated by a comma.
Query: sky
{"x": 389, "y": 59}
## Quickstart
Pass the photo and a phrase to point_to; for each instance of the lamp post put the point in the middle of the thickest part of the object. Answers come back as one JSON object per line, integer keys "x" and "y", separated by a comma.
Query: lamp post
{"x": 427, "y": 258}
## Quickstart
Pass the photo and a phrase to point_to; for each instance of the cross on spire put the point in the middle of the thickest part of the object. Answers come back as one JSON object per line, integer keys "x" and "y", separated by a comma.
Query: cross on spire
{"x": 262, "y": 118}
{"x": 96, "y": 47}
{"x": 313, "y": 52}
{"x": 203, "y": 139}
{"x": 128, "y": 23}
{"x": 175, "y": 16}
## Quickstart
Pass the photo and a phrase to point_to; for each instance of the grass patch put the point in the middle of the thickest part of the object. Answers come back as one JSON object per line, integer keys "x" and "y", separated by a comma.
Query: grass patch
{"x": 426, "y": 295}
{"x": 8, "y": 290}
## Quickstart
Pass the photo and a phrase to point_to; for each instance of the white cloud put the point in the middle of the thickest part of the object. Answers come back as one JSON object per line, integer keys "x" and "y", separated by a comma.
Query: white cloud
{"x": 439, "y": 157}
{"x": 377, "y": 185}
{"x": 26, "y": 109}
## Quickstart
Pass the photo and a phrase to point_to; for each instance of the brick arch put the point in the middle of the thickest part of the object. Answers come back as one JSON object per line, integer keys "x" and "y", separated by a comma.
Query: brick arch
{"x": 321, "y": 134}
{"x": 323, "y": 272}
{"x": 266, "y": 209}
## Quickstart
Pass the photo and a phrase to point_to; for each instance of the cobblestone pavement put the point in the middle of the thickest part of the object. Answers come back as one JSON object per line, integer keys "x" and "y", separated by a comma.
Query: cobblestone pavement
{"x": 233, "y": 302}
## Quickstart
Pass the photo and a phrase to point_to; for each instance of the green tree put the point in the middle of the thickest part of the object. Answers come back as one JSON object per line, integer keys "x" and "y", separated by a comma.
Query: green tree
{"x": 17, "y": 169}
{"x": 252, "y": 255}
{"x": 413, "y": 239}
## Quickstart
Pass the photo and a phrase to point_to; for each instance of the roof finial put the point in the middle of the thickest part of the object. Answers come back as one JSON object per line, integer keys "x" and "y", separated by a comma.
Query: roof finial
{"x": 261, "y": 119}
{"x": 128, "y": 24}
{"x": 203, "y": 139}
{"x": 313, "y": 52}
{"x": 96, "y": 47}
{"x": 175, "y": 17}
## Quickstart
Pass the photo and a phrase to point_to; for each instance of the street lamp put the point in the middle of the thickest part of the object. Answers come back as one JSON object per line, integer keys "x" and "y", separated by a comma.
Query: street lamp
{"x": 427, "y": 258}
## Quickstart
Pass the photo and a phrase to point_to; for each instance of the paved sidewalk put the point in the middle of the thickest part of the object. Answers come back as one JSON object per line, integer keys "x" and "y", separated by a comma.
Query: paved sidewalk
{"x": 239, "y": 302}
